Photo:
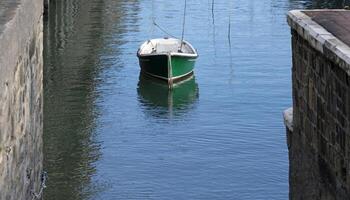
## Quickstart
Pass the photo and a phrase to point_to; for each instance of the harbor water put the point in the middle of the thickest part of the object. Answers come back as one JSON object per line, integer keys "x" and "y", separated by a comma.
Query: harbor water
{"x": 110, "y": 133}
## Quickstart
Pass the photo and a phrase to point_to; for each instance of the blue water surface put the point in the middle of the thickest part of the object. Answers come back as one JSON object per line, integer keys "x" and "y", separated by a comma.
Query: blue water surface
{"x": 106, "y": 137}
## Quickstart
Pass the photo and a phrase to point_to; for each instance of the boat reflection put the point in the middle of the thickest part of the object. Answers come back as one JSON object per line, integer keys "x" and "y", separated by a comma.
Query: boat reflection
{"x": 159, "y": 101}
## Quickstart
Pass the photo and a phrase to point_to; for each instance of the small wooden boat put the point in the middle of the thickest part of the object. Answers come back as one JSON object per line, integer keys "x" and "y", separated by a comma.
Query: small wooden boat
{"x": 169, "y": 59}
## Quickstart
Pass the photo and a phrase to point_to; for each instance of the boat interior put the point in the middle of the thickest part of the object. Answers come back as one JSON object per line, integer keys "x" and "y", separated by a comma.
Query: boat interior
{"x": 166, "y": 45}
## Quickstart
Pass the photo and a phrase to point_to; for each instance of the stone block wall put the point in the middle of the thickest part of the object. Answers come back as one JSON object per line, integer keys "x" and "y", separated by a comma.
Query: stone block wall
{"x": 21, "y": 98}
{"x": 321, "y": 94}
{"x": 319, "y": 140}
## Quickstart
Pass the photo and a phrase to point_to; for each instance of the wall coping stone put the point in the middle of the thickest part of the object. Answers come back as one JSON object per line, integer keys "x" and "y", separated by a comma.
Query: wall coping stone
{"x": 320, "y": 38}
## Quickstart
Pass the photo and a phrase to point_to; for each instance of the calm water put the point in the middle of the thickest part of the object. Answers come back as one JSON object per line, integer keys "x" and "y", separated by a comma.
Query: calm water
{"x": 111, "y": 134}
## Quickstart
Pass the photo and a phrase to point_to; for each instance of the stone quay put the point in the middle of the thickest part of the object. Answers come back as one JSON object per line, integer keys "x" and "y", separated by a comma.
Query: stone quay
{"x": 318, "y": 124}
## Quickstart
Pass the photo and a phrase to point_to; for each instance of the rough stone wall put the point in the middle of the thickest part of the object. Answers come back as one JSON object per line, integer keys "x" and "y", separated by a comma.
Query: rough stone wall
{"x": 319, "y": 146}
{"x": 21, "y": 98}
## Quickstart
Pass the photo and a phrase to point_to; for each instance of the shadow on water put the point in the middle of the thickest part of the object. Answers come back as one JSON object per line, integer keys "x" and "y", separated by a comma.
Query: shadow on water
{"x": 161, "y": 102}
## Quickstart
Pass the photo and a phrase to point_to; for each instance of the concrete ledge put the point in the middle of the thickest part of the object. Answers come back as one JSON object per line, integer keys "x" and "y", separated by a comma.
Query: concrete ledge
{"x": 320, "y": 38}
{"x": 288, "y": 119}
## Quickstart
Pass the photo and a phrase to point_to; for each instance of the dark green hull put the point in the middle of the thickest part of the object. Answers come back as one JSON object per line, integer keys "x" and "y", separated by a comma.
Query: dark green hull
{"x": 166, "y": 67}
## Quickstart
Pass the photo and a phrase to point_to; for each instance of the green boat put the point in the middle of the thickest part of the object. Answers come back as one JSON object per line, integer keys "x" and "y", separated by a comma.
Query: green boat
{"x": 168, "y": 59}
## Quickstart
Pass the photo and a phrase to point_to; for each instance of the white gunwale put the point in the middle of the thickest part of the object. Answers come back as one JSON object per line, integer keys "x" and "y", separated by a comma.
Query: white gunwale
{"x": 149, "y": 48}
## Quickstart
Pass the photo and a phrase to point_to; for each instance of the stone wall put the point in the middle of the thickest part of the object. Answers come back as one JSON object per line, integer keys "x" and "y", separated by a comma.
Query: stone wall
{"x": 319, "y": 139}
{"x": 21, "y": 100}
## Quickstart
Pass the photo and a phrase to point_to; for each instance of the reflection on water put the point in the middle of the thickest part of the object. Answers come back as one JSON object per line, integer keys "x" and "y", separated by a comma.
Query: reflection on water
{"x": 107, "y": 134}
{"x": 158, "y": 100}
{"x": 76, "y": 50}
{"x": 69, "y": 116}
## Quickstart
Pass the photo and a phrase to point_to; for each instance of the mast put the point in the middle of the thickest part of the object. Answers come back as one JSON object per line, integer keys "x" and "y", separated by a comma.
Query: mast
{"x": 183, "y": 27}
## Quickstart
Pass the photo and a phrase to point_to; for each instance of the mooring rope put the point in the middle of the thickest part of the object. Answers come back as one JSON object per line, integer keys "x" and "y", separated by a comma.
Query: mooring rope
{"x": 162, "y": 29}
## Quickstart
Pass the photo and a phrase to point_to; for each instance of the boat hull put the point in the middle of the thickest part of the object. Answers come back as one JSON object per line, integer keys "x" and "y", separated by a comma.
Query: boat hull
{"x": 167, "y": 67}
{"x": 181, "y": 66}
